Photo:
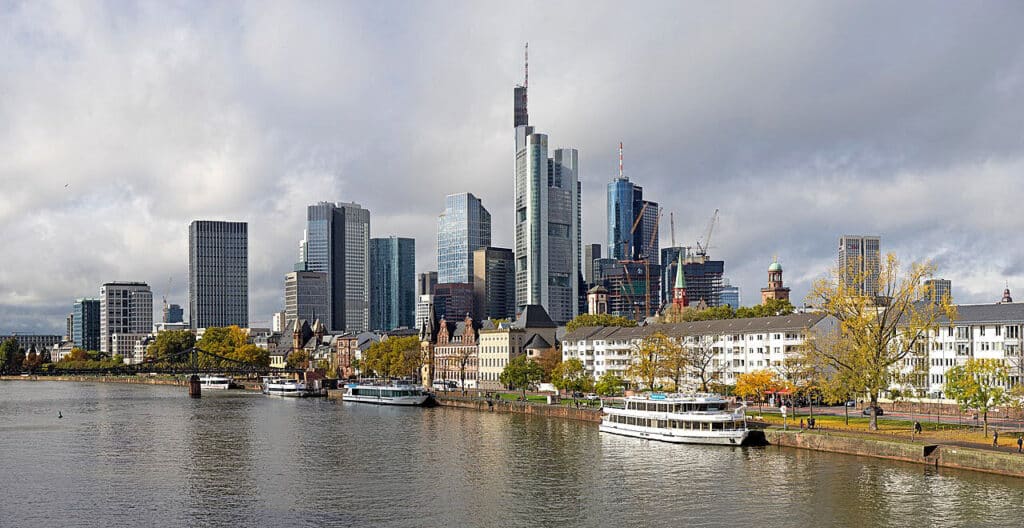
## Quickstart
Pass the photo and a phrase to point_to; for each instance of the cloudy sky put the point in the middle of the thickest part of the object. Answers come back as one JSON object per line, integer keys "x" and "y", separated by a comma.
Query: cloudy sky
{"x": 120, "y": 123}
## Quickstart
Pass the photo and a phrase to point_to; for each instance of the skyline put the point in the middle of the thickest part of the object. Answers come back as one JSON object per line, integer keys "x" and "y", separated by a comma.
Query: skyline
{"x": 843, "y": 115}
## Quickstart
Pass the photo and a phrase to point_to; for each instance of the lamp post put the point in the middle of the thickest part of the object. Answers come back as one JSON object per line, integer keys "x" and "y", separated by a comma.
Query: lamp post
{"x": 782, "y": 409}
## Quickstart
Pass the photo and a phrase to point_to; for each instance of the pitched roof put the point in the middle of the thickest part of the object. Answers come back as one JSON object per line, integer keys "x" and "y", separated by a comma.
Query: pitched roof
{"x": 537, "y": 343}
{"x": 534, "y": 316}
{"x": 987, "y": 313}
{"x": 782, "y": 323}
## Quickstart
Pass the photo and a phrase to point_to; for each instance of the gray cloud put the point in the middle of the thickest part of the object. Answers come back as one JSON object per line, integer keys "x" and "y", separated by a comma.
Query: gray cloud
{"x": 801, "y": 121}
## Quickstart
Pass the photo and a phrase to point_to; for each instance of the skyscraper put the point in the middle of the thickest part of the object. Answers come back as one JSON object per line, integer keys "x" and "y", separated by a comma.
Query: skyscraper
{"x": 126, "y": 310}
{"x": 173, "y": 313}
{"x": 218, "y": 274}
{"x": 859, "y": 261}
{"x": 392, "y": 283}
{"x": 463, "y": 227}
{"x": 626, "y": 209}
{"x": 590, "y": 252}
{"x": 494, "y": 283}
{"x": 305, "y": 297}
{"x": 730, "y": 295}
{"x": 337, "y": 243}
{"x": 670, "y": 257}
{"x": 935, "y": 290}
{"x": 425, "y": 283}
{"x": 85, "y": 324}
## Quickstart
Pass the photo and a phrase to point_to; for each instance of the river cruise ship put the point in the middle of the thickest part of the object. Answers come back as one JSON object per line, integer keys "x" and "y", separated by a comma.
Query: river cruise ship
{"x": 681, "y": 419}
{"x": 385, "y": 394}
{"x": 215, "y": 382}
{"x": 276, "y": 386}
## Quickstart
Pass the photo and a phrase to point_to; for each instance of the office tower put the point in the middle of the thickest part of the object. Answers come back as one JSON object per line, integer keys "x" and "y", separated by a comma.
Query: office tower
{"x": 632, "y": 288}
{"x": 859, "y": 261}
{"x": 218, "y": 274}
{"x": 669, "y": 258}
{"x": 590, "y": 252}
{"x": 626, "y": 209}
{"x": 547, "y": 230}
{"x": 338, "y": 243}
{"x": 703, "y": 280}
{"x": 85, "y": 328}
{"x": 937, "y": 289}
{"x": 172, "y": 313}
{"x": 392, "y": 283}
{"x": 126, "y": 310}
{"x": 425, "y": 283}
{"x": 494, "y": 283}
{"x": 463, "y": 227}
{"x": 69, "y": 323}
{"x": 730, "y": 295}
{"x": 453, "y": 300}
{"x": 305, "y": 297}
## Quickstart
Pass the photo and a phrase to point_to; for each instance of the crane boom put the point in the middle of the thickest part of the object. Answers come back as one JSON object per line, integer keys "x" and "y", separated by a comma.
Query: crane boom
{"x": 702, "y": 249}
{"x": 672, "y": 224}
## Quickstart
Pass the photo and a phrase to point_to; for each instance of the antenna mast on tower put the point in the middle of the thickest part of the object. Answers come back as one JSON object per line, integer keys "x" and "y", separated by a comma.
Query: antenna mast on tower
{"x": 620, "y": 160}
{"x": 526, "y": 70}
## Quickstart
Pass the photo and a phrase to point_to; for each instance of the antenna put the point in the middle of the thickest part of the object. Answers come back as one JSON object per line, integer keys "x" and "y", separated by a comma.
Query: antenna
{"x": 526, "y": 66}
{"x": 620, "y": 159}
{"x": 672, "y": 224}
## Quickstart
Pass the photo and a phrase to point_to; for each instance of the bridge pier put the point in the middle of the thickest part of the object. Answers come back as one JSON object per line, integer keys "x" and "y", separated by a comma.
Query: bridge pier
{"x": 194, "y": 388}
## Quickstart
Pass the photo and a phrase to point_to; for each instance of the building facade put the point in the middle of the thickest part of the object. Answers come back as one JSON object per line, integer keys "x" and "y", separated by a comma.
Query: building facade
{"x": 670, "y": 258}
{"x": 626, "y": 208}
{"x": 456, "y": 352}
{"x": 704, "y": 280}
{"x": 494, "y": 283}
{"x": 499, "y": 345}
{"x": 730, "y": 295}
{"x": 938, "y": 289}
{"x": 392, "y": 283}
{"x": 126, "y": 308}
{"x": 218, "y": 274}
{"x": 85, "y": 325}
{"x": 633, "y": 288}
{"x": 464, "y": 226}
{"x": 590, "y": 252}
{"x": 172, "y": 313}
{"x": 859, "y": 262}
{"x": 425, "y": 283}
{"x": 775, "y": 289}
{"x": 338, "y": 243}
{"x": 453, "y": 300}
{"x": 305, "y": 297}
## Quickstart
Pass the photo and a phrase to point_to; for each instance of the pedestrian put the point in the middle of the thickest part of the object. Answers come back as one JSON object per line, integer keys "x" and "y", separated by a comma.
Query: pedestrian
{"x": 801, "y": 423}
{"x": 995, "y": 438}
{"x": 917, "y": 427}
{"x": 1020, "y": 443}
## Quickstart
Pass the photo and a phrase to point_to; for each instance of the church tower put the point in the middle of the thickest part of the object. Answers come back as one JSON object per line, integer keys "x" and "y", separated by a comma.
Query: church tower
{"x": 679, "y": 291}
{"x": 775, "y": 289}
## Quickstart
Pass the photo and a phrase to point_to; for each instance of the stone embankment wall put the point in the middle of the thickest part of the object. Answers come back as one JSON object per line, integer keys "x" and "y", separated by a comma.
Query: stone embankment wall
{"x": 140, "y": 380}
{"x": 505, "y": 406}
{"x": 989, "y": 461}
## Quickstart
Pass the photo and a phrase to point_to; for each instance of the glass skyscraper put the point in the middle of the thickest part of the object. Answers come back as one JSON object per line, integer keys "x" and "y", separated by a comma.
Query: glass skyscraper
{"x": 392, "y": 283}
{"x": 338, "y": 243}
{"x": 85, "y": 324}
{"x": 626, "y": 205}
{"x": 462, "y": 228}
{"x": 218, "y": 274}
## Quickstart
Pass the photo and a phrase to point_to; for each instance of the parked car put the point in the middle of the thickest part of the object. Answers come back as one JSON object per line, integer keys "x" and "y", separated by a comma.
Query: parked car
{"x": 878, "y": 411}
{"x": 592, "y": 396}
{"x": 851, "y": 403}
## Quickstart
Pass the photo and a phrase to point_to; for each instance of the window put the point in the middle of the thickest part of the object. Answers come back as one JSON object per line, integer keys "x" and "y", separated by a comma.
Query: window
{"x": 998, "y": 330}
{"x": 981, "y": 330}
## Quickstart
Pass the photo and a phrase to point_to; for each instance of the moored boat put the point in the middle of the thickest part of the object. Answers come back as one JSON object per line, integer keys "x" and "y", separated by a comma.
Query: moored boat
{"x": 215, "y": 382}
{"x": 681, "y": 419}
{"x": 385, "y": 394}
{"x": 277, "y": 386}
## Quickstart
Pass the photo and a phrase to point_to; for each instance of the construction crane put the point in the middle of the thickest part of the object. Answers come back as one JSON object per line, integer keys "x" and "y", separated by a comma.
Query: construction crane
{"x": 702, "y": 249}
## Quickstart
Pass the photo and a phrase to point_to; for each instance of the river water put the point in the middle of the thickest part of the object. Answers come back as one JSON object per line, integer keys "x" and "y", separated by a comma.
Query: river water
{"x": 129, "y": 455}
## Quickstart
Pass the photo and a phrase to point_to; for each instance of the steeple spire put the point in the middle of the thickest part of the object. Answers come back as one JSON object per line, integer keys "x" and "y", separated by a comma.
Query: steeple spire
{"x": 679, "y": 299}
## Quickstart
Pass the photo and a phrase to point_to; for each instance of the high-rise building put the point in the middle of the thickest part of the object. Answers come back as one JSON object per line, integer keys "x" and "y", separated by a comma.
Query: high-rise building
{"x": 85, "y": 325}
{"x": 937, "y": 289}
{"x": 126, "y": 310}
{"x": 859, "y": 263}
{"x": 730, "y": 295}
{"x": 305, "y": 297}
{"x": 338, "y": 243}
{"x": 547, "y": 229}
{"x": 172, "y": 313}
{"x": 670, "y": 257}
{"x": 494, "y": 283}
{"x": 218, "y": 274}
{"x": 626, "y": 209}
{"x": 424, "y": 307}
{"x": 279, "y": 321}
{"x": 392, "y": 283}
{"x": 463, "y": 227}
{"x": 453, "y": 300}
{"x": 704, "y": 280}
{"x": 425, "y": 283}
{"x": 590, "y": 252}
{"x": 632, "y": 288}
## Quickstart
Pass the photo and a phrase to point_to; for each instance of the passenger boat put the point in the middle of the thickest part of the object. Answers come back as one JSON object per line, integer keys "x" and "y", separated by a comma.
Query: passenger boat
{"x": 215, "y": 382}
{"x": 385, "y": 394}
{"x": 275, "y": 386}
{"x": 681, "y": 419}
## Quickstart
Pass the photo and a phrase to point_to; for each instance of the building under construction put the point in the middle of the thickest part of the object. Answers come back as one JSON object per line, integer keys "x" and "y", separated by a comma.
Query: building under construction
{"x": 633, "y": 288}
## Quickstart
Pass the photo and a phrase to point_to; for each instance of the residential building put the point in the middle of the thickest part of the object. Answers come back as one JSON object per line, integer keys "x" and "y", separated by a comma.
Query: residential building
{"x": 464, "y": 226}
{"x": 425, "y": 283}
{"x": 453, "y": 299}
{"x": 218, "y": 274}
{"x": 736, "y": 346}
{"x": 730, "y": 295}
{"x": 859, "y": 262}
{"x": 775, "y": 289}
{"x": 494, "y": 283}
{"x": 392, "y": 283}
{"x": 85, "y": 328}
{"x": 590, "y": 252}
{"x": 126, "y": 309}
{"x": 499, "y": 345}
{"x": 338, "y": 243}
{"x": 173, "y": 313}
{"x": 938, "y": 289}
{"x": 305, "y": 296}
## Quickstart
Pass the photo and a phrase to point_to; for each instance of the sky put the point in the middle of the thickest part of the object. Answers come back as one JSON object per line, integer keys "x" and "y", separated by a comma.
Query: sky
{"x": 122, "y": 122}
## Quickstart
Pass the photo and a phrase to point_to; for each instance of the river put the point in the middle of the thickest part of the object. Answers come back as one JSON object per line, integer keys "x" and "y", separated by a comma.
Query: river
{"x": 130, "y": 455}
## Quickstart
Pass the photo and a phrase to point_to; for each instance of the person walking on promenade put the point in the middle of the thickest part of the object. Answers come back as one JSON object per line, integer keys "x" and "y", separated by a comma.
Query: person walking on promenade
{"x": 1020, "y": 443}
{"x": 995, "y": 438}
{"x": 917, "y": 428}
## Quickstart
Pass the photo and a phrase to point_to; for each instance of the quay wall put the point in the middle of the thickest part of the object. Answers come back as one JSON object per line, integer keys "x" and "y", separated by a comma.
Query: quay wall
{"x": 505, "y": 406}
{"x": 135, "y": 380}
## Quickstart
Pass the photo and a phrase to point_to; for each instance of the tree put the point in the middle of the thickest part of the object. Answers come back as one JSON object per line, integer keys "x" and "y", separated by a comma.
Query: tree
{"x": 755, "y": 385}
{"x": 253, "y": 355}
{"x": 977, "y": 384}
{"x": 700, "y": 360}
{"x": 674, "y": 362}
{"x": 647, "y": 355}
{"x": 31, "y": 361}
{"x": 548, "y": 360}
{"x": 585, "y": 320}
{"x": 393, "y": 357}
{"x": 875, "y": 332}
{"x": 8, "y": 352}
{"x": 168, "y": 346}
{"x": 297, "y": 359}
{"x": 570, "y": 376}
{"x": 221, "y": 341}
{"x": 520, "y": 373}
{"x": 76, "y": 354}
{"x": 609, "y": 384}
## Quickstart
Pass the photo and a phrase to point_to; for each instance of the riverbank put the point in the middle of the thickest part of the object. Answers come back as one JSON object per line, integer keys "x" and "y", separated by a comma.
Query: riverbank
{"x": 135, "y": 380}
{"x": 564, "y": 412}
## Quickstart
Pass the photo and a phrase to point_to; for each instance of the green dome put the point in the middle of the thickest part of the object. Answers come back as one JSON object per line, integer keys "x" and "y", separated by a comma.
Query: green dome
{"x": 775, "y": 267}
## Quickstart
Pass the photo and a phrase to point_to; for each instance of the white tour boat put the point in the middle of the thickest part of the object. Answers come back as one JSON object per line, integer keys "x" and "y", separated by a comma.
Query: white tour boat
{"x": 697, "y": 419}
{"x": 275, "y": 386}
{"x": 385, "y": 394}
{"x": 215, "y": 382}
